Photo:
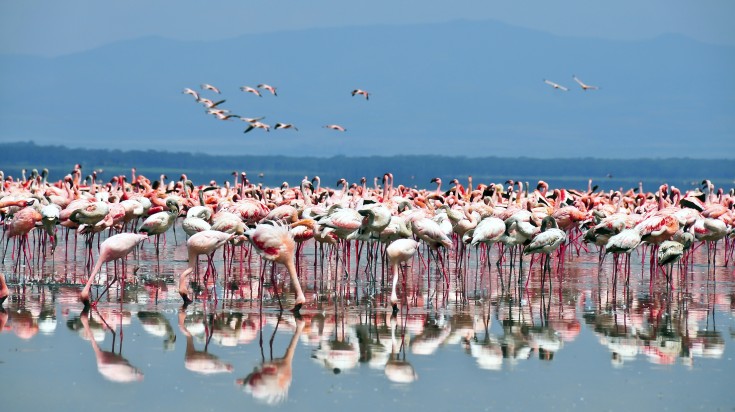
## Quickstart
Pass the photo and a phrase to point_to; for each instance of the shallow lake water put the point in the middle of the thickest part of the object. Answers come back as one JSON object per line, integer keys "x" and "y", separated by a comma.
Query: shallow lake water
{"x": 582, "y": 339}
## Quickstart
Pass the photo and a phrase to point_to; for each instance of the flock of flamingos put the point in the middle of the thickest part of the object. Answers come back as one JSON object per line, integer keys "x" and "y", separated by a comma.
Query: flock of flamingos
{"x": 393, "y": 223}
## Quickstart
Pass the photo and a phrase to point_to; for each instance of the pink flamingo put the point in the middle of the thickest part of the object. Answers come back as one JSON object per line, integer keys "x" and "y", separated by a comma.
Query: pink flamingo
{"x": 275, "y": 243}
{"x": 361, "y": 92}
{"x": 268, "y": 87}
{"x": 4, "y": 291}
{"x": 114, "y": 247}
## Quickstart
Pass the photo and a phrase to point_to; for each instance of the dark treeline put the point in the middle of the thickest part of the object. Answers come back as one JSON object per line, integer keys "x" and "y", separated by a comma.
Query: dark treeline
{"x": 408, "y": 170}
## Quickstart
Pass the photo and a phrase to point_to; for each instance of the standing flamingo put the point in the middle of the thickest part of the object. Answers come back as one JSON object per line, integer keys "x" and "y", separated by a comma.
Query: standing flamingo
{"x": 159, "y": 223}
{"x": 4, "y": 291}
{"x": 275, "y": 243}
{"x": 547, "y": 241}
{"x": 114, "y": 247}
{"x": 399, "y": 252}
{"x": 201, "y": 243}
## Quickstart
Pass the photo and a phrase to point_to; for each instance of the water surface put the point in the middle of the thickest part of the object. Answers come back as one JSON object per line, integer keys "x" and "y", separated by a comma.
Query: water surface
{"x": 581, "y": 340}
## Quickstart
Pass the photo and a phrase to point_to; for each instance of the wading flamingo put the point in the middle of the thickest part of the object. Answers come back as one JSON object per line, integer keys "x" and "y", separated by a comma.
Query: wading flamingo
{"x": 201, "y": 243}
{"x": 275, "y": 243}
{"x": 398, "y": 252}
{"x": 114, "y": 247}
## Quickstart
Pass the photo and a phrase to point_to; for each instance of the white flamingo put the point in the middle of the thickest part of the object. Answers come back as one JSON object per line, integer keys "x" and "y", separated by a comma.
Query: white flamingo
{"x": 583, "y": 85}
{"x": 285, "y": 126}
{"x": 335, "y": 127}
{"x": 556, "y": 85}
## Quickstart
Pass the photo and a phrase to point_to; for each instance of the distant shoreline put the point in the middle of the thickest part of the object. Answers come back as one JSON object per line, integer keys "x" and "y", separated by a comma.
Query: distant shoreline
{"x": 412, "y": 170}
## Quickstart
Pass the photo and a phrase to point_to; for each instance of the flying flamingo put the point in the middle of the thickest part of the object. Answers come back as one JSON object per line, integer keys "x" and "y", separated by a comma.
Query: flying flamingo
{"x": 285, "y": 126}
{"x": 399, "y": 252}
{"x": 206, "y": 243}
{"x": 584, "y": 87}
{"x": 251, "y": 90}
{"x": 114, "y": 247}
{"x": 191, "y": 92}
{"x": 275, "y": 243}
{"x": 555, "y": 85}
{"x": 206, "y": 86}
{"x": 268, "y": 87}
{"x": 362, "y": 92}
{"x": 251, "y": 119}
{"x": 258, "y": 125}
{"x": 211, "y": 104}
{"x": 335, "y": 127}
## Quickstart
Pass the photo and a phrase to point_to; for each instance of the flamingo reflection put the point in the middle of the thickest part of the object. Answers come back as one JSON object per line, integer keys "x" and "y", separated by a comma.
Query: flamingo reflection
{"x": 398, "y": 369}
{"x": 112, "y": 366}
{"x": 158, "y": 325}
{"x": 200, "y": 361}
{"x": 270, "y": 381}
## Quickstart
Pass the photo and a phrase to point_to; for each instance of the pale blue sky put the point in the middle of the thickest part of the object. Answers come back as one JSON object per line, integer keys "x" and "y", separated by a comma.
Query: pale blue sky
{"x": 52, "y": 27}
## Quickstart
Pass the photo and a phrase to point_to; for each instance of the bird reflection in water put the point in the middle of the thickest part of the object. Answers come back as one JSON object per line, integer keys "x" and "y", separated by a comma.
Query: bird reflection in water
{"x": 398, "y": 369}
{"x": 270, "y": 381}
{"x": 158, "y": 325}
{"x": 112, "y": 366}
{"x": 200, "y": 361}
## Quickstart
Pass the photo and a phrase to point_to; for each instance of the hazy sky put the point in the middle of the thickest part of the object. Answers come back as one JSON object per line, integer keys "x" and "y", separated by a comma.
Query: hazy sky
{"x": 52, "y": 27}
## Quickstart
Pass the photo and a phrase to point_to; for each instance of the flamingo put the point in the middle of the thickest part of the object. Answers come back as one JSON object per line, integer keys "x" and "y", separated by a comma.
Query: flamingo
{"x": 556, "y": 85}
{"x": 547, "y": 241}
{"x": 285, "y": 126}
{"x": 4, "y": 291}
{"x": 335, "y": 127}
{"x": 257, "y": 125}
{"x": 399, "y": 252}
{"x": 206, "y": 243}
{"x": 206, "y": 86}
{"x": 275, "y": 243}
{"x": 362, "y": 92}
{"x": 249, "y": 89}
{"x": 585, "y": 87}
{"x": 251, "y": 119}
{"x": 211, "y": 104}
{"x": 114, "y": 247}
{"x": 191, "y": 92}
{"x": 268, "y": 87}
{"x": 159, "y": 223}
{"x": 669, "y": 253}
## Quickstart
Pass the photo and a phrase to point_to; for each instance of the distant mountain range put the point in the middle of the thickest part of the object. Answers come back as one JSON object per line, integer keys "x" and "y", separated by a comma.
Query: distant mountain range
{"x": 463, "y": 88}
{"x": 608, "y": 174}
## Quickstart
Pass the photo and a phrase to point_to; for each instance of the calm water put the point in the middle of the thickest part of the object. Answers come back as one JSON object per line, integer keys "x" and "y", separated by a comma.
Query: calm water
{"x": 582, "y": 341}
